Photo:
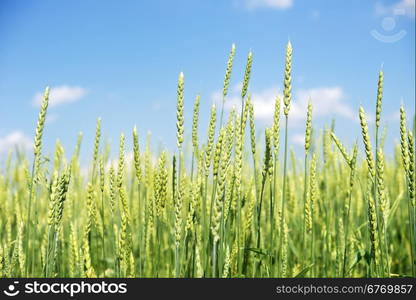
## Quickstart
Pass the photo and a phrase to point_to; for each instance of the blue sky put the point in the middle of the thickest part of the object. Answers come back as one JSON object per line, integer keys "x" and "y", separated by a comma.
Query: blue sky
{"x": 120, "y": 60}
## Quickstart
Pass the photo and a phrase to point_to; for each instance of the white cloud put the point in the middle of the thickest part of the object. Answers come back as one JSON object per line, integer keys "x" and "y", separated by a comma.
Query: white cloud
{"x": 13, "y": 139}
{"x": 394, "y": 116}
{"x": 113, "y": 161}
{"x": 61, "y": 94}
{"x": 402, "y": 7}
{"x": 275, "y": 4}
{"x": 298, "y": 139}
{"x": 263, "y": 101}
{"x": 51, "y": 118}
{"x": 326, "y": 101}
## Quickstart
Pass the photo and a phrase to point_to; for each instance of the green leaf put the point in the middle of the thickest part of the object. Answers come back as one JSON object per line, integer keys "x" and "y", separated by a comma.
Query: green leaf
{"x": 303, "y": 272}
{"x": 258, "y": 251}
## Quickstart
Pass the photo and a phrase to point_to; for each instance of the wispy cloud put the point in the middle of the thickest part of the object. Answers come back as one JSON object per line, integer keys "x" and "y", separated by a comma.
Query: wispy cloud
{"x": 274, "y": 4}
{"x": 13, "y": 139}
{"x": 263, "y": 101}
{"x": 61, "y": 94}
{"x": 402, "y": 7}
{"x": 51, "y": 118}
{"x": 326, "y": 101}
{"x": 298, "y": 139}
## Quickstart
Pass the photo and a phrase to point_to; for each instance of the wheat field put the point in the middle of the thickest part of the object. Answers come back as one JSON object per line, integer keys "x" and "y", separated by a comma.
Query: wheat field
{"x": 235, "y": 206}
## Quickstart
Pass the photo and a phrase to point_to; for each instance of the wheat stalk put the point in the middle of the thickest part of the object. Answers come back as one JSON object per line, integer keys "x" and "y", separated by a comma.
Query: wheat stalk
{"x": 287, "y": 98}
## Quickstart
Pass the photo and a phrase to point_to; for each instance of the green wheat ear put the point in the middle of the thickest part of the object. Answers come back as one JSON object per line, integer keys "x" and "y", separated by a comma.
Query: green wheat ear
{"x": 379, "y": 97}
{"x": 228, "y": 71}
{"x": 195, "y": 119}
{"x": 102, "y": 174}
{"x": 227, "y": 80}
{"x": 219, "y": 196}
{"x": 268, "y": 162}
{"x": 121, "y": 162}
{"x": 39, "y": 129}
{"x": 276, "y": 126}
{"x": 287, "y": 83}
{"x": 112, "y": 188}
{"x": 308, "y": 127}
{"x": 210, "y": 142}
{"x": 136, "y": 155}
{"x": 411, "y": 168}
{"x": 403, "y": 139}
{"x": 179, "y": 110}
{"x": 161, "y": 185}
{"x": 341, "y": 147}
{"x": 247, "y": 75}
{"x": 372, "y": 224}
{"x": 218, "y": 150}
{"x": 62, "y": 195}
{"x": 91, "y": 221}
{"x": 178, "y": 215}
{"x": 252, "y": 125}
{"x": 97, "y": 140}
{"x": 366, "y": 141}
{"x": 381, "y": 192}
